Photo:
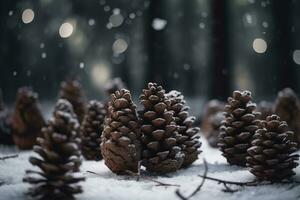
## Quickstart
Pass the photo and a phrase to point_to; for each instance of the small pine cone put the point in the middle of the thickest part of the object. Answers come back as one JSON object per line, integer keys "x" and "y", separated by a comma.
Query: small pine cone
{"x": 271, "y": 156}
{"x": 238, "y": 128}
{"x": 213, "y": 135}
{"x": 211, "y": 108}
{"x": 114, "y": 85}
{"x": 265, "y": 109}
{"x": 91, "y": 130}
{"x": 287, "y": 107}
{"x": 27, "y": 119}
{"x": 58, "y": 158}
{"x": 72, "y": 91}
{"x": 188, "y": 136}
{"x": 120, "y": 144}
{"x": 159, "y": 132}
{"x": 5, "y": 130}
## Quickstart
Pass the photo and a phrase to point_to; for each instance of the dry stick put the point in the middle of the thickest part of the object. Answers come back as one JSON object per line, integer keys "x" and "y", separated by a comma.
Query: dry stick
{"x": 181, "y": 196}
{"x": 251, "y": 183}
{"x": 10, "y": 156}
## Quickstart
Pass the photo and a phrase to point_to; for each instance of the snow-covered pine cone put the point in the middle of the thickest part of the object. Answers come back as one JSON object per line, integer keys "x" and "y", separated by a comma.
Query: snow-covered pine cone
{"x": 287, "y": 107}
{"x": 72, "y": 91}
{"x": 238, "y": 127}
{"x": 161, "y": 152}
{"x": 188, "y": 136}
{"x": 271, "y": 156}
{"x": 58, "y": 158}
{"x": 91, "y": 130}
{"x": 120, "y": 146}
{"x": 27, "y": 119}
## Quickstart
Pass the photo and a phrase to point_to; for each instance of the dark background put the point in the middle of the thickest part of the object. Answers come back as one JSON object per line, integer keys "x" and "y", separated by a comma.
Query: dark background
{"x": 203, "y": 48}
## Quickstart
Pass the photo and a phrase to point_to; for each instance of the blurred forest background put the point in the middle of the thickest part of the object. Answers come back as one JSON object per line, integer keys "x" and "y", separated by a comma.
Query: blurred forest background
{"x": 203, "y": 48}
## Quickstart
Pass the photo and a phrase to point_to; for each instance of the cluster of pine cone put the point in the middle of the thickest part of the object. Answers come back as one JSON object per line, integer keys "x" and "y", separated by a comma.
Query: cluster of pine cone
{"x": 161, "y": 136}
{"x": 266, "y": 146}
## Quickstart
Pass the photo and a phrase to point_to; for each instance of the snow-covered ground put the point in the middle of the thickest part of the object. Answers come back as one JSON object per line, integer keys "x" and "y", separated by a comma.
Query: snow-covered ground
{"x": 108, "y": 186}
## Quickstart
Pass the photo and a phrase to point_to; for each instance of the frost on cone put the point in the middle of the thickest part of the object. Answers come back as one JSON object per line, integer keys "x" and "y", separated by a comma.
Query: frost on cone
{"x": 120, "y": 144}
{"x": 188, "y": 136}
{"x": 271, "y": 156}
{"x": 27, "y": 119}
{"x": 72, "y": 91}
{"x": 91, "y": 130}
{"x": 238, "y": 127}
{"x": 59, "y": 157}
{"x": 287, "y": 107}
{"x": 161, "y": 152}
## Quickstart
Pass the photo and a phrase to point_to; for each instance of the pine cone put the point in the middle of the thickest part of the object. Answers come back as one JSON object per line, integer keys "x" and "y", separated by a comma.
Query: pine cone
{"x": 215, "y": 123}
{"x": 265, "y": 108}
{"x": 72, "y": 91}
{"x": 271, "y": 156}
{"x": 65, "y": 106}
{"x": 238, "y": 127}
{"x": 114, "y": 85}
{"x": 120, "y": 145}
{"x": 159, "y": 132}
{"x": 91, "y": 130}
{"x": 188, "y": 136}
{"x": 27, "y": 119}
{"x": 5, "y": 130}
{"x": 287, "y": 107}
{"x": 211, "y": 108}
{"x": 58, "y": 158}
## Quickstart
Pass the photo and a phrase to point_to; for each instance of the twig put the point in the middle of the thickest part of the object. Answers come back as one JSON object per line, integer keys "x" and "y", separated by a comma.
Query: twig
{"x": 181, "y": 196}
{"x": 228, "y": 189}
{"x": 250, "y": 183}
{"x": 10, "y": 156}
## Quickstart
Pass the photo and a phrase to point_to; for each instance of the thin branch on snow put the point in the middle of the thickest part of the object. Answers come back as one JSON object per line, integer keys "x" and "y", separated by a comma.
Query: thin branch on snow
{"x": 181, "y": 196}
{"x": 220, "y": 181}
{"x": 10, "y": 156}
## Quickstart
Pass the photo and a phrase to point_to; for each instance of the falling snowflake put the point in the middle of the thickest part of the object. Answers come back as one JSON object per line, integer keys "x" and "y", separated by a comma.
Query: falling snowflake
{"x": 159, "y": 24}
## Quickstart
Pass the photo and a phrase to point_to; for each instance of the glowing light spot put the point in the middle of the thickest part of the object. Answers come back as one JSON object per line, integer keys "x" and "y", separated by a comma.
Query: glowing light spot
{"x": 116, "y": 19}
{"x": 159, "y": 24}
{"x": 66, "y": 30}
{"x": 296, "y": 57}
{"x": 119, "y": 46}
{"x": 92, "y": 22}
{"x": 202, "y": 25}
{"x": 131, "y": 15}
{"x": 42, "y": 45}
{"x": 100, "y": 74}
{"x": 186, "y": 67}
{"x": 259, "y": 45}
{"x": 106, "y": 8}
{"x": 15, "y": 73}
{"x": 81, "y": 65}
{"x": 27, "y": 16}
{"x": 44, "y": 55}
{"x": 10, "y": 13}
{"x": 265, "y": 24}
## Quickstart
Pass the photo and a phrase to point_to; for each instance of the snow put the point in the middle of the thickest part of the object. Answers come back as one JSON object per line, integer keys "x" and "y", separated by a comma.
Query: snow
{"x": 159, "y": 24}
{"x": 106, "y": 185}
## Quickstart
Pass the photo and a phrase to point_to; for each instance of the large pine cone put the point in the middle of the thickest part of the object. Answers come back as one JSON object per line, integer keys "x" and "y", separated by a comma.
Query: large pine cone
{"x": 287, "y": 107}
{"x": 72, "y": 91}
{"x": 120, "y": 144}
{"x": 58, "y": 158}
{"x": 271, "y": 155}
{"x": 159, "y": 132}
{"x": 91, "y": 130}
{"x": 27, "y": 119}
{"x": 188, "y": 136}
{"x": 238, "y": 127}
